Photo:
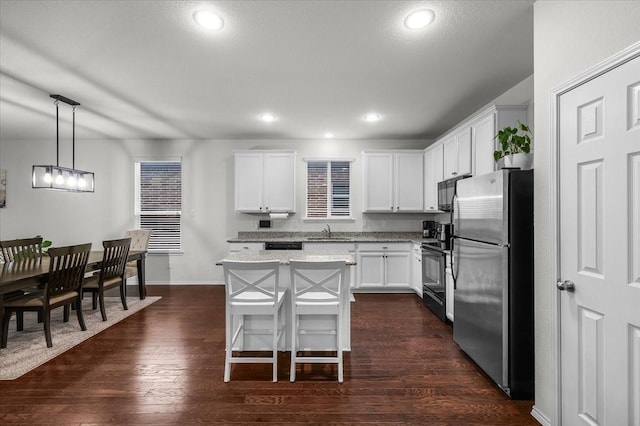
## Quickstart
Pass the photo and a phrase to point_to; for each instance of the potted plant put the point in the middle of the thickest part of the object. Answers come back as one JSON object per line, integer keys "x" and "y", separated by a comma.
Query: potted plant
{"x": 514, "y": 147}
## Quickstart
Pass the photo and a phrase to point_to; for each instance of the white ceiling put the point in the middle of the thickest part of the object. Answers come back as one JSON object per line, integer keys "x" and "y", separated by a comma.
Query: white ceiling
{"x": 143, "y": 69}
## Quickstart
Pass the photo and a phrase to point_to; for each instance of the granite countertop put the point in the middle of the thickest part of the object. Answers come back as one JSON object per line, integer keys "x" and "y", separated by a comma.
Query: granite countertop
{"x": 284, "y": 256}
{"x": 336, "y": 237}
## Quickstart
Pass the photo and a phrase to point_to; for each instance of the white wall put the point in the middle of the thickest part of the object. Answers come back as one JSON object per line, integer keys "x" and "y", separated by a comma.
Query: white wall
{"x": 208, "y": 198}
{"x": 569, "y": 38}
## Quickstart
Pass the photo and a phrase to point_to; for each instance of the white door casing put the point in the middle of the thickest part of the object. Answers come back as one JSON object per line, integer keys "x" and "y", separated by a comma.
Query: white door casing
{"x": 598, "y": 125}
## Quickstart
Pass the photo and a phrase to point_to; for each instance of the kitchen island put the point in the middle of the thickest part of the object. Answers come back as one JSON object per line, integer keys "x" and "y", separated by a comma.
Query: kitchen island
{"x": 321, "y": 321}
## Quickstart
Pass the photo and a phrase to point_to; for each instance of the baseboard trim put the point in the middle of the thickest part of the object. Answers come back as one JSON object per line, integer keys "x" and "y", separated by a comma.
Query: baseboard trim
{"x": 540, "y": 417}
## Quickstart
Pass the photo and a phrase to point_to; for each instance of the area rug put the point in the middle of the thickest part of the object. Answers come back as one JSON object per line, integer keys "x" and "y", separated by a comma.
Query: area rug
{"x": 27, "y": 349}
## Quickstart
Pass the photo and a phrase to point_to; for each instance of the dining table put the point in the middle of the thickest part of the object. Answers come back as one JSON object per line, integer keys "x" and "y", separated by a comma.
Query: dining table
{"x": 22, "y": 274}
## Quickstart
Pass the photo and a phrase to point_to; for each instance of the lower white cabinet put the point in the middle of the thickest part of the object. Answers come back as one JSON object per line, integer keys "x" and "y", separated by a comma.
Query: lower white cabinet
{"x": 383, "y": 266}
{"x": 416, "y": 269}
{"x": 236, "y": 247}
{"x": 350, "y": 247}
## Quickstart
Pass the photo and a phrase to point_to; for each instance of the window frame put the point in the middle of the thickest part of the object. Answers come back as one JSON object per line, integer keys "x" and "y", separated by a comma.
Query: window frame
{"x": 330, "y": 197}
{"x": 139, "y": 213}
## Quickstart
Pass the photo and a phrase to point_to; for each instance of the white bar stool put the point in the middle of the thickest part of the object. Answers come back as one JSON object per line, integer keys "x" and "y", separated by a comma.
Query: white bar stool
{"x": 252, "y": 289}
{"x": 316, "y": 289}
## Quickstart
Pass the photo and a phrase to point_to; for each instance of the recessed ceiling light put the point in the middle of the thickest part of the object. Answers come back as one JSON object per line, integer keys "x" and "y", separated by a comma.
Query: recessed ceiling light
{"x": 372, "y": 116}
{"x": 209, "y": 20}
{"x": 328, "y": 135}
{"x": 267, "y": 117}
{"x": 419, "y": 19}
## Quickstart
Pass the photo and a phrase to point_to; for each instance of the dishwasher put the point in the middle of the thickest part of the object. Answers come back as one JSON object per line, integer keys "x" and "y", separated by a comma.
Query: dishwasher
{"x": 283, "y": 245}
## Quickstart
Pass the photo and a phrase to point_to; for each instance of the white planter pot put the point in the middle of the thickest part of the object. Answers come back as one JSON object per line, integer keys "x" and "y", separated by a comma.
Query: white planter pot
{"x": 516, "y": 161}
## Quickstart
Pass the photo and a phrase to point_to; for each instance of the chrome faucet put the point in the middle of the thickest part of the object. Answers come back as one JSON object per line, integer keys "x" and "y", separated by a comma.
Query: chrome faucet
{"x": 327, "y": 231}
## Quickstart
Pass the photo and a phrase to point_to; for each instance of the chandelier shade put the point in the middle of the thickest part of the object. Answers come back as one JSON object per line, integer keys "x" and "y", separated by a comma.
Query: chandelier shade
{"x": 63, "y": 178}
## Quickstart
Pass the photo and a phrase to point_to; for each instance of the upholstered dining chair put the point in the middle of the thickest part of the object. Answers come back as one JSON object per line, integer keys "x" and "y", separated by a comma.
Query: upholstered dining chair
{"x": 251, "y": 288}
{"x": 111, "y": 274}
{"x": 21, "y": 250}
{"x": 139, "y": 242}
{"x": 316, "y": 290}
{"x": 67, "y": 267}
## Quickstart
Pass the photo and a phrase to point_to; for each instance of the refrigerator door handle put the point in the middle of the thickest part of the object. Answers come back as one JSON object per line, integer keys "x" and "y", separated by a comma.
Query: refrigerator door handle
{"x": 454, "y": 272}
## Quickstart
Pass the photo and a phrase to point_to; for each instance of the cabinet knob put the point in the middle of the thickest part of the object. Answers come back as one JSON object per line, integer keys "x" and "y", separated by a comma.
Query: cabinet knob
{"x": 454, "y": 173}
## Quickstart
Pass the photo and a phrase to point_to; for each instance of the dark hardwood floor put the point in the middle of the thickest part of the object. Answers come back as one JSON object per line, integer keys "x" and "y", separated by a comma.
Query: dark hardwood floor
{"x": 164, "y": 365}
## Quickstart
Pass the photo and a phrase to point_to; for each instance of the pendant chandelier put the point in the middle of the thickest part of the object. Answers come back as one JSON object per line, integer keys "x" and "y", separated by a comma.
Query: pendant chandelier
{"x": 63, "y": 178}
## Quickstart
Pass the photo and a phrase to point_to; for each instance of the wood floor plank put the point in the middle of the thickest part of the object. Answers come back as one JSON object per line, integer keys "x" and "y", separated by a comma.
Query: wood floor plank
{"x": 164, "y": 365}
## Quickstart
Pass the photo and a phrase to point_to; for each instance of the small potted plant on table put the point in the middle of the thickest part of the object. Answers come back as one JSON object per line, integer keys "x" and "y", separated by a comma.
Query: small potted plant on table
{"x": 514, "y": 147}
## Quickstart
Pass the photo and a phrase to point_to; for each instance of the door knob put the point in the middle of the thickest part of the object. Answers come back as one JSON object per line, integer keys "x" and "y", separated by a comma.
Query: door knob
{"x": 567, "y": 285}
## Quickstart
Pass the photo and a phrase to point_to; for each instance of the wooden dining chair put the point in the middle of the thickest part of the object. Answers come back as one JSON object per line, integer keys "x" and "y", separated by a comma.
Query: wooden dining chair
{"x": 251, "y": 288}
{"x": 111, "y": 274}
{"x": 63, "y": 287}
{"x": 139, "y": 242}
{"x": 317, "y": 291}
{"x": 21, "y": 250}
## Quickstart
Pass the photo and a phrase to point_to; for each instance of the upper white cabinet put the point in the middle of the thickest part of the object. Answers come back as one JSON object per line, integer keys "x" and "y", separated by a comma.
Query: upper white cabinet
{"x": 433, "y": 173}
{"x": 484, "y": 130}
{"x": 265, "y": 181}
{"x": 483, "y": 133}
{"x": 457, "y": 153}
{"x": 393, "y": 181}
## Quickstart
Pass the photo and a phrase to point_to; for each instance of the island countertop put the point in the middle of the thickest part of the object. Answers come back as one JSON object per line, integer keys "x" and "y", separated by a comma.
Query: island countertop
{"x": 284, "y": 256}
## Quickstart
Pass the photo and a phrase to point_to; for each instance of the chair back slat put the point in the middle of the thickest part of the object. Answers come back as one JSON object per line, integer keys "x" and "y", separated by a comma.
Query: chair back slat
{"x": 114, "y": 259}
{"x": 21, "y": 249}
{"x": 66, "y": 269}
{"x": 258, "y": 278}
{"x": 319, "y": 277}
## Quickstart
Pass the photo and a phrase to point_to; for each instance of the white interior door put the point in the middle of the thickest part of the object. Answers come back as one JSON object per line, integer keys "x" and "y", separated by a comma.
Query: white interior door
{"x": 599, "y": 169}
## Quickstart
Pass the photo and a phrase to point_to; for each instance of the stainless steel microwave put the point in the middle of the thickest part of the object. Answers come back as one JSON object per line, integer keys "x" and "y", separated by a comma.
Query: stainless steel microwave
{"x": 446, "y": 192}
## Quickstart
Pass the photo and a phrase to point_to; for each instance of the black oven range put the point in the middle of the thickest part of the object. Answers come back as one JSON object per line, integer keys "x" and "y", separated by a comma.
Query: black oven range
{"x": 434, "y": 258}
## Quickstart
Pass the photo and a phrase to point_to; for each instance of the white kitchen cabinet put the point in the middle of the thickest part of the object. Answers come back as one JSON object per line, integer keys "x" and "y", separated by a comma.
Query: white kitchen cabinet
{"x": 484, "y": 130}
{"x": 449, "y": 291}
{"x": 393, "y": 181}
{"x": 483, "y": 133}
{"x": 265, "y": 181}
{"x": 350, "y": 247}
{"x": 416, "y": 269}
{"x": 433, "y": 173}
{"x": 458, "y": 153}
{"x": 383, "y": 266}
{"x": 236, "y": 247}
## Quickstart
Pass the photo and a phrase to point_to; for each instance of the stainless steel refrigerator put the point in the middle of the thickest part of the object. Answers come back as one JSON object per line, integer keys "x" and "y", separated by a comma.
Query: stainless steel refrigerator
{"x": 493, "y": 272}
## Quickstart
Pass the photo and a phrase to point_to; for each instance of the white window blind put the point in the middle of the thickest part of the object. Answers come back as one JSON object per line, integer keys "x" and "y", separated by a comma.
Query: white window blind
{"x": 159, "y": 202}
{"x": 328, "y": 189}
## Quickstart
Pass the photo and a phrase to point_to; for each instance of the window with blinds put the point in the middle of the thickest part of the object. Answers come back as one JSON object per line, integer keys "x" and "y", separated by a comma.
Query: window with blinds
{"x": 159, "y": 202}
{"x": 328, "y": 189}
